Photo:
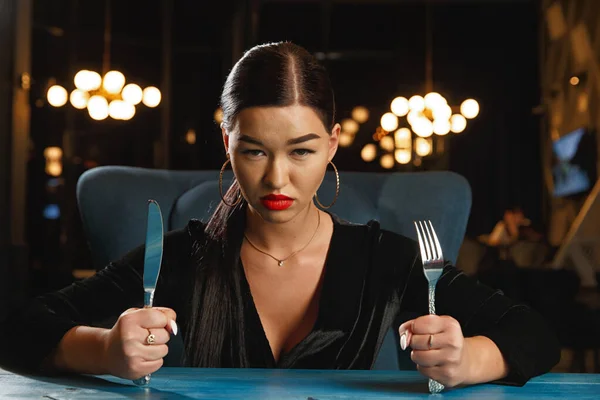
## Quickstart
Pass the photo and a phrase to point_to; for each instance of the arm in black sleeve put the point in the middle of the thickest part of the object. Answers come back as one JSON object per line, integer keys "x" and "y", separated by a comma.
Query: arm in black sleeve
{"x": 30, "y": 335}
{"x": 527, "y": 343}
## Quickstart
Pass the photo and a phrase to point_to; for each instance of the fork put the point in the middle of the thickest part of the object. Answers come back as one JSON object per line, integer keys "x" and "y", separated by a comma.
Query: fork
{"x": 433, "y": 265}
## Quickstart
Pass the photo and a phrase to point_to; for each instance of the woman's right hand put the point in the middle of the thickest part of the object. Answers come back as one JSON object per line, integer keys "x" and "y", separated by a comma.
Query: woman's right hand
{"x": 127, "y": 352}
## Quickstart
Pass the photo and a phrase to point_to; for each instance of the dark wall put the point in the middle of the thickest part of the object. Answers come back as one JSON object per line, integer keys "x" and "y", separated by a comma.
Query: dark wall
{"x": 500, "y": 154}
{"x": 7, "y": 12}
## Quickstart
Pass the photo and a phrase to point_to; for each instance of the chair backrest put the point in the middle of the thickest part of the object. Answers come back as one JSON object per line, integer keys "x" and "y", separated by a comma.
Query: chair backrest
{"x": 112, "y": 201}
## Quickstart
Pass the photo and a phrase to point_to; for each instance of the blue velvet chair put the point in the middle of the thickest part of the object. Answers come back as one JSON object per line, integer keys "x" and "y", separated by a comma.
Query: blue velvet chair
{"x": 112, "y": 201}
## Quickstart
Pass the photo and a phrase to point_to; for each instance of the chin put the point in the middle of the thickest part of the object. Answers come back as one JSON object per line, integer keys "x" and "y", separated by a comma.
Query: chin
{"x": 276, "y": 216}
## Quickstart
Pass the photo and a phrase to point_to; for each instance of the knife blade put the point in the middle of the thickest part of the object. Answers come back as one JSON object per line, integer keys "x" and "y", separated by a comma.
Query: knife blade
{"x": 153, "y": 252}
{"x": 152, "y": 261}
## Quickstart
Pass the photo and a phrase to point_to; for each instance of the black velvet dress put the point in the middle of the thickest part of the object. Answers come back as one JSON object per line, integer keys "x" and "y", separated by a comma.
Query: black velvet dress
{"x": 371, "y": 276}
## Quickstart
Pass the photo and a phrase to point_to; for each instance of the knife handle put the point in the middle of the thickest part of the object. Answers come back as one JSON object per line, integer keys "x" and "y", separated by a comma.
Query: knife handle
{"x": 148, "y": 300}
{"x": 143, "y": 381}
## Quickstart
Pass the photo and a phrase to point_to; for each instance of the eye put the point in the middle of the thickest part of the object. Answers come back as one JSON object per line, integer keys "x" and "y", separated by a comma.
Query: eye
{"x": 253, "y": 152}
{"x": 302, "y": 152}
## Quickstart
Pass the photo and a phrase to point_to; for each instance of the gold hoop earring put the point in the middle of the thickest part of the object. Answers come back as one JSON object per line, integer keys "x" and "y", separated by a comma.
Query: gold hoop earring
{"x": 239, "y": 198}
{"x": 337, "y": 189}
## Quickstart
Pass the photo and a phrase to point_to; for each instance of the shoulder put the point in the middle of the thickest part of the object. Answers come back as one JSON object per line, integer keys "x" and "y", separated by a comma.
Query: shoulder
{"x": 183, "y": 240}
{"x": 375, "y": 239}
{"x": 195, "y": 229}
{"x": 179, "y": 247}
{"x": 383, "y": 257}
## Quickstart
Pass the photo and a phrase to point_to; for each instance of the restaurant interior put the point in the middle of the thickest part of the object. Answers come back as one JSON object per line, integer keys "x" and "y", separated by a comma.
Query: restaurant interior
{"x": 500, "y": 93}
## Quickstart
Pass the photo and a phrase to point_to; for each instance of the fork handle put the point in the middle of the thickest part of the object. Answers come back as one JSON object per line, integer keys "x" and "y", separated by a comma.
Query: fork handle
{"x": 432, "y": 298}
{"x": 434, "y": 386}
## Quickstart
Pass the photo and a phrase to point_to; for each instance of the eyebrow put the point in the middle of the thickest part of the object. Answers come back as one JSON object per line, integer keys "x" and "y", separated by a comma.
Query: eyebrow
{"x": 298, "y": 140}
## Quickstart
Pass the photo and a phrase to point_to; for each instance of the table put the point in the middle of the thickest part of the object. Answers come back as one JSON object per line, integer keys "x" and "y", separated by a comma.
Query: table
{"x": 264, "y": 384}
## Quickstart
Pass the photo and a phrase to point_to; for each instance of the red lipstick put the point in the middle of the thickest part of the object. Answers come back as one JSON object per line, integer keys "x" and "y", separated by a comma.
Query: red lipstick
{"x": 276, "y": 202}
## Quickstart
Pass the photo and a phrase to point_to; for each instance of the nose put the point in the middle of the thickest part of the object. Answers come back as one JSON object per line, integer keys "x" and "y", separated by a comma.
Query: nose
{"x": 276, "y": 175}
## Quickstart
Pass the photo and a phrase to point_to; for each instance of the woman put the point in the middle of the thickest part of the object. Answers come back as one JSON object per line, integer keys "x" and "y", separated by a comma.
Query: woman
{"x": 273, "y": 281}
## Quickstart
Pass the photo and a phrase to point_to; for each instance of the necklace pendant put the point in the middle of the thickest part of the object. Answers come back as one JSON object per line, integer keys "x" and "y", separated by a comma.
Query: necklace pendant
{"x": 280, "y": 263}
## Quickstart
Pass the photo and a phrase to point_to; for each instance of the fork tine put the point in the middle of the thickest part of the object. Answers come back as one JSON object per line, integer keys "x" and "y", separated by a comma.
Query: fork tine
{"x": 423, "y": 254}
{"x": 437, "y": 243}
{"x": 427, "y": 241}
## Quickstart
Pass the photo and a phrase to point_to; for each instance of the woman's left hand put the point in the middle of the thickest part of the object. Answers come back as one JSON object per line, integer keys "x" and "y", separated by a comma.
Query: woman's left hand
{"x": 438, "y": 348}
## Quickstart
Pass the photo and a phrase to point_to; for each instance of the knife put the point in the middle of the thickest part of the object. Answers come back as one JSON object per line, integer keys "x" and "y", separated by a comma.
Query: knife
{"x": 152, "y": 259}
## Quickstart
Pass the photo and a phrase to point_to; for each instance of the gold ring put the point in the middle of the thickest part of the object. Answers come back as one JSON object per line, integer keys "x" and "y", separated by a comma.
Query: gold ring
{"x": 151, "y": 338}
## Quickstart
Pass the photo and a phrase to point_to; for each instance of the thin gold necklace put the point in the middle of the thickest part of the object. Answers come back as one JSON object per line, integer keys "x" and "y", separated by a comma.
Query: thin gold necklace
{"x": 281, "y": 261}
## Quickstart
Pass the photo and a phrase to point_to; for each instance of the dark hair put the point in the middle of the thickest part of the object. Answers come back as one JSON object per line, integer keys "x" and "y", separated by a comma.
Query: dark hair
{"x": 270, "y": 75}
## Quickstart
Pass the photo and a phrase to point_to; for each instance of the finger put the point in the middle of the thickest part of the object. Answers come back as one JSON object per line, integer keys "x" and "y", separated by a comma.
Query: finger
{"x": 151, "y": 318}
{"x": 149, "y": 367}
{"x": 445, "y": 376}
{"x": 154, "y": 352}
{"x": 161, "y": 336}
{"x": 406, "y": 326}
{"x": 129, "y": 311}
{"x": 405, "y": 333}
{"x": 430, "y": 372}
{"x": 451, "y": 340}
{"x": 430, "y": 341}
{"x": 172, "y": 327}
{"x": 429, "y": 324}
{"x": 170, "y": 313}
{"x": 428, "y": 358}
{"x": 404, "y": 340}
{"x": 171, "y": 316}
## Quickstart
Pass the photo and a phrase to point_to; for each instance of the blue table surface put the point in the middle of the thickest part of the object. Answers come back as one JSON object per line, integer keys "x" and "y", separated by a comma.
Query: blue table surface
{"x": 264, "y": 384}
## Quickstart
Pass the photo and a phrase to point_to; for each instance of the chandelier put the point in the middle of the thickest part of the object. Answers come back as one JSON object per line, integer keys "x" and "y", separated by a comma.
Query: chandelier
{"x": 105, "y": 95}
{"x": 425, "y": 116}
{"x": 414, "y": 125}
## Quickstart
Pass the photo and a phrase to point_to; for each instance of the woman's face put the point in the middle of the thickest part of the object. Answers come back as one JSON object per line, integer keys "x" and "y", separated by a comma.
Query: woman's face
{"x": 279, "y": 156}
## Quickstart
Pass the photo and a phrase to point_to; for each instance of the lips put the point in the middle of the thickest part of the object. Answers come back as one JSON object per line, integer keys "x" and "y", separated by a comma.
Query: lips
{"x": 276, "y": 202}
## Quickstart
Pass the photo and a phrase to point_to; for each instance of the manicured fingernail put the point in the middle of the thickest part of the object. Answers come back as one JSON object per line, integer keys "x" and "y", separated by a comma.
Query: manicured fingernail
{"x": 173, "y": 327}
{"x": 403, "y": 341}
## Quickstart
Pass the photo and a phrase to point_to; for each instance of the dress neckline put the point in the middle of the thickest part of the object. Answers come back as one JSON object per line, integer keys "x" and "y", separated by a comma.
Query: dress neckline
{"x": 329, "y": 265}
